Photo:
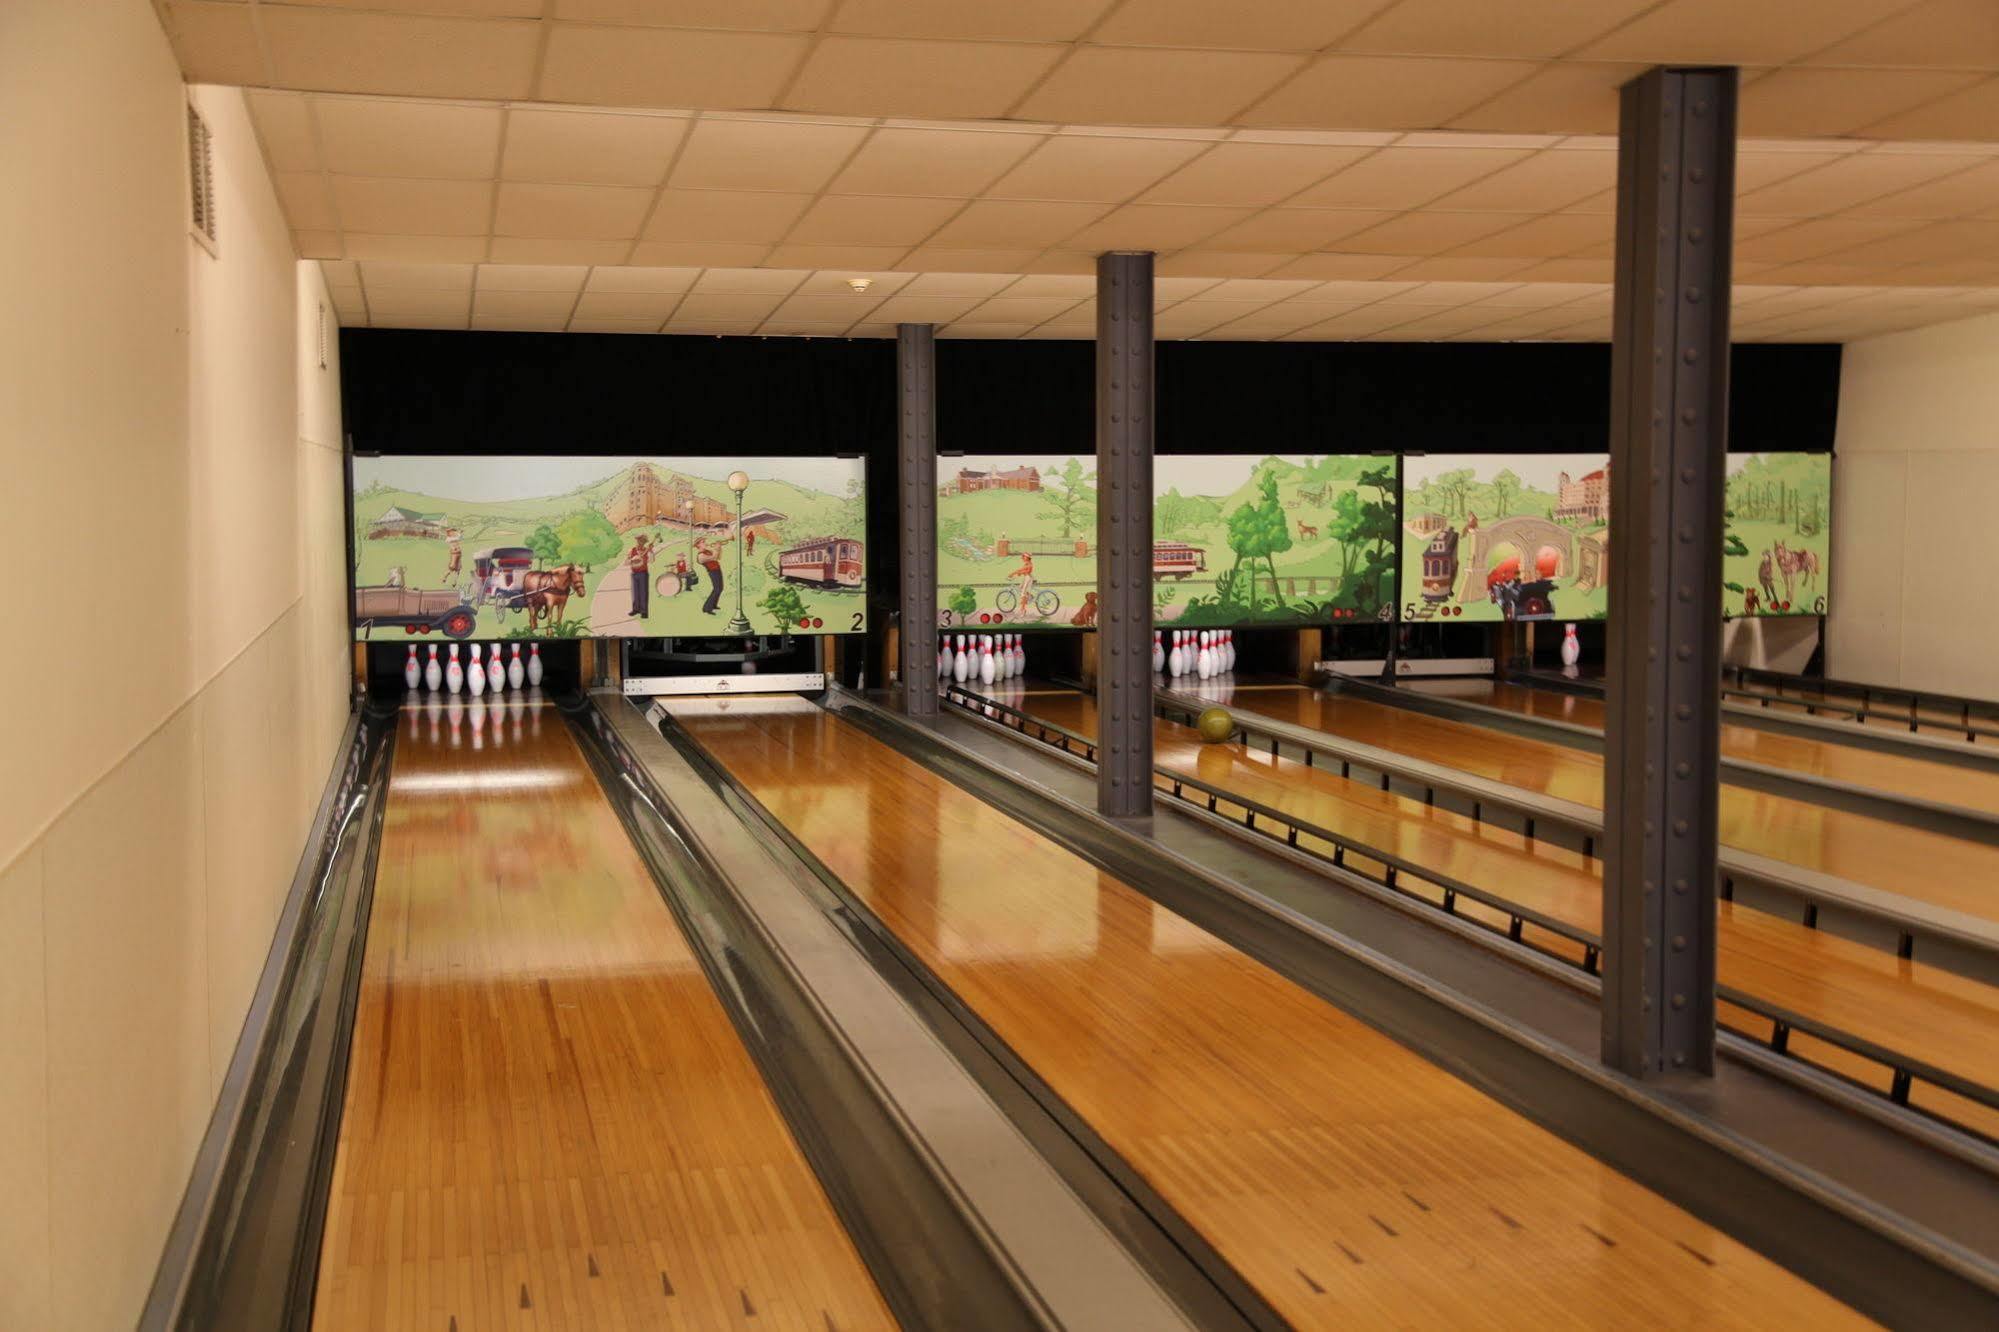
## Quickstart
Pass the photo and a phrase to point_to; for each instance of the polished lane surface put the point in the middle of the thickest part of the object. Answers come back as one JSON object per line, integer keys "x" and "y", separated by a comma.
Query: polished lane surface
{"x": 1350, "y": 1181}
{"x": 1919, "y": 1011}
{"x": 1892, "y": 774}
{"x": 1924, "y": 866}
{"x": 549, "y": 1121}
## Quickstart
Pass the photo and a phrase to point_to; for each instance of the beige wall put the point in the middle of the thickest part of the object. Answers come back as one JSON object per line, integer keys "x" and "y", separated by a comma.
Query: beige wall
{"x": 171, "y": 448}
{"x": 1915, "y": 487}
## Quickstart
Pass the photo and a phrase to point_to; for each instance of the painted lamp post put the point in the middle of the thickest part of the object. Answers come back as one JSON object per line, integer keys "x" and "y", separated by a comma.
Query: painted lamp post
{"x": 739, "y": 482}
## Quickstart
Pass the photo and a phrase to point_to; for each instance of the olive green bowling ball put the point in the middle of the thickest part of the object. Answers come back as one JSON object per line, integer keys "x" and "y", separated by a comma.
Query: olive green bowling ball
{"x": 1215, "y": 725}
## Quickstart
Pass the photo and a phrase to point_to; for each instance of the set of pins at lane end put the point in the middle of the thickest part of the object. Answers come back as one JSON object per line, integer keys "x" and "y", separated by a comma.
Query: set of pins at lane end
{"x": 479, "y": 676}
{"x": 981, "y": 657}
{"x": 1203, "y": 652}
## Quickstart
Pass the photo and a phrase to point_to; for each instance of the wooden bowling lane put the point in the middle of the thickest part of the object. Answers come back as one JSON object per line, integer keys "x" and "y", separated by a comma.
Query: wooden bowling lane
{"x": 1924, "y": 866}
{"x": 549, "y": 1121}
{"x": 1918, "y": 1011}
{"x": 1352, "y": 1182}
{"x": 1891, "y": 773}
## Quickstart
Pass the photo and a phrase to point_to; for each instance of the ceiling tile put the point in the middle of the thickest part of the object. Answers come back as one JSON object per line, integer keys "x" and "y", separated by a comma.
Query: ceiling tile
{"x": 1221, "y": 263}
{"x": 1385, "y": 92}
{"x": 1840, "y": 101}
{"x": 1850, "y": 180}
{"x": 644, "y": 281}
{"x": 1728, "y": 32}
{"x": 1426, "y": 233}
{"x": 1251, "y": 173}
{"x": 1968, "y": 193}
{"x": 696, "y": 254}
{"x": 653, "y": 305}
{"x": 1955, "y": 34}
{"x": 217, "y": 43}
{"x": 837, "y": 310}
{"x": 1102, "y": 168}
{"x": 396, "y": 301}
{"x": 1114, "y": 85}
{"x": 750, "y": 154}
{"x": 1948, "y": 241}
{"x": 1463, "y": 268}
{"x": 284, "y": 127}
{"x": 858, "y": 259}
{"x": 413, "y": 207}
{"x": 674, "y": 67}
{"x": 1970, "y": 114}
{"x": 1551, "y": 179}
{"x": 1571, "y": 96}
{"x": 1279, "y": 230}
{"x": 1359, "y": 267}
{"x": 1062, "y": 262}
{"x": 944, "y": 283}
{"x": 1270, "y": 25}
{"x": 724, "y": 215}
{"x": 1549, "y": 236}
{"x": 419, "y": 277}
{"x": 532, "y": 250}
{"x": 589, "y": 148}
{"x": 1010, "y": 309}
{"x": 747, "y": 282}
{"x": 581, "y": 325}
{"x": 534, "y": 304}
{"x": 933, "y": 162}
{"x": 922, "y": 309}
{"x": 756, "y": 15}
{"x": 307, "y": 203}
{"x": 734, "y": 306}
{"x": 564, "y": 278}
{"x": 1397, "y": 177}
{"x": 382, "y": 136}
{"x": 517, "y": 324}
{"x": 571, "y": 212}
{"x": 1014, "y": 224}
{"x": 1567, "y": 270}
{"x": 1759, "y": 167}
{"x": 417, "y": 249}
{"x": 948, "y": 259}
{"x": 1259, "y": 289}
{"x": 1054, "y": 284}
{"x": 1819, "y": 236}
{"x": 869, "y": 76}
{"x": 856, "y": 219}
{"x": 1155, "y": 227}
{"x": 1534, "y": 28}
{"x": 833, "y": 282}
{"x": 339, "y": 51}
{"x": 1015, "y": 21}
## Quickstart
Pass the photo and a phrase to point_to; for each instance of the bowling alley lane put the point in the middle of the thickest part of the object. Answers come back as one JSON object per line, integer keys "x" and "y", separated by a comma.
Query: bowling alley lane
{"x": 1919, "y": 1011}
{"x": 549, "y": 1121}
{"x": 1917, "y": 864}
{"x": 1350, "y": 1181}
{"x": 1866, "y": 768}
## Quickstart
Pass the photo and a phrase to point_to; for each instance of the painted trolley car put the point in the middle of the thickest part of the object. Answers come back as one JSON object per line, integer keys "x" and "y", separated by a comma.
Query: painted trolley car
{"x": 829, "y": 562}
{"x": 1177, "y": 559}
{"x": 1440, "y": 566}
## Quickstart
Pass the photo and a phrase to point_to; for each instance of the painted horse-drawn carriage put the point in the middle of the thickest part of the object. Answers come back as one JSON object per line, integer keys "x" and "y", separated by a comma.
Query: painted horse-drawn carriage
{"x": 505, "y": 579}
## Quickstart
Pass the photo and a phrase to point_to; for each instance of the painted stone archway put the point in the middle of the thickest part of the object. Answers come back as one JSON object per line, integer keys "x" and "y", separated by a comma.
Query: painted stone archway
{"x": 1525, "y": 534}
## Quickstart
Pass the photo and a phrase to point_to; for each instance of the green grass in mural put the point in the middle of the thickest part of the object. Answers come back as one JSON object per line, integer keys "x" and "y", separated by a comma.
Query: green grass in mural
{"x": 1779, "y": 549}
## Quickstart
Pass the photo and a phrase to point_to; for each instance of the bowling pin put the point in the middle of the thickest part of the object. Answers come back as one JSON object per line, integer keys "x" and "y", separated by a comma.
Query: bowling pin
{"x": 1158, "y": 654}
{"x": 1173, "y": 657}
{"x": 412, "y": 671}
{"x": 433, "y": 674}
{"x": 943, "y": 656}
{"x": 986, "y": 659}
{"x": 516, "y": 672}
{"x": 1228, "y": 649}
{"x": 1020, "y": 654}
{"x": 454, "y": 674}
{"x": 1572, "y": 651}
{"x": 475, "y": 679}
{"x": 534, "y": 663}
{"x": 961, "y": 665}
{"x": 1009, "y": 646}
{"x": 496, "y": 671}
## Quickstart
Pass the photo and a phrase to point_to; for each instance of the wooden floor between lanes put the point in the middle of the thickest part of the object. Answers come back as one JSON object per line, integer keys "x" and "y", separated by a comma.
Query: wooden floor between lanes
{"x": 1916, "y": 1010}
{"x": 549, "y": 1121}
{"x": 1351, "y": 1182}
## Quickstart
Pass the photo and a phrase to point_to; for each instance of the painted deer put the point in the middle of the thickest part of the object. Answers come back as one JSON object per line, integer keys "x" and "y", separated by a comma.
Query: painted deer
{"x": 1305, "y": 530}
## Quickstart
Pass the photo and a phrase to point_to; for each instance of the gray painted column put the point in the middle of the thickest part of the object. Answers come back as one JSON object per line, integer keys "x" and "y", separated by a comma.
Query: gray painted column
{"x": 1124, "y": 534}
{"x": 1669, "y": 438}
{"x": 916, "y": 474}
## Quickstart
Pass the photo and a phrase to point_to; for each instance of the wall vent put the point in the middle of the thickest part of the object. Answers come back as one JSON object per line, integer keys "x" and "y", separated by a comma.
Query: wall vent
{"x": 322, "y": 335}
{"x": 201, "y": 179}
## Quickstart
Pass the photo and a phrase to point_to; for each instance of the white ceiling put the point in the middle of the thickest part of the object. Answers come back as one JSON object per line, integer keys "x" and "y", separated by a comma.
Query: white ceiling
{"x": 1891, "y": 69}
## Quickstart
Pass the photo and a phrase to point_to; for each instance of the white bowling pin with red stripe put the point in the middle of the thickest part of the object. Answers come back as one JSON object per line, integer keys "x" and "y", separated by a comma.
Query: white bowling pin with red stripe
{"x": 516, "y": 672}
{"x": 534, "y": 663}
{"x": 433, "y": 674}
{"x": 412, "y": 670}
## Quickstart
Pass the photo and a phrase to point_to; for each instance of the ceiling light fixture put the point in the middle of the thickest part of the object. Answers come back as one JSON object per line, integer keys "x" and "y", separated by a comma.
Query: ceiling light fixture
{"x": 860, "y": 284}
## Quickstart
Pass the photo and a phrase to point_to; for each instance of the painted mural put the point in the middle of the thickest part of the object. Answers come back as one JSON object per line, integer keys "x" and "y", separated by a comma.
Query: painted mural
{"x": 1489, "y": 537}
{"x": 1243, "y": 540}
{"x": 546, "y": 547}
{"x": 1016, "y": 541}
{"x": 1778, "y": 546}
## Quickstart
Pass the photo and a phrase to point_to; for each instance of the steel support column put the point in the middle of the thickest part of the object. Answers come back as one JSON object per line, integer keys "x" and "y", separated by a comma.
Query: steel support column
{"x": 1669, "y": 438}
{"x": 916, "y": 473}
{"x": 1124, "y": 534}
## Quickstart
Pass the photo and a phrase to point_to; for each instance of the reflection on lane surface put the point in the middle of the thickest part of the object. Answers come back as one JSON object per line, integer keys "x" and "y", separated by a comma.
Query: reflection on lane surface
{"x": 549, "y": 1121}
{"x": 1353, "y": 1183}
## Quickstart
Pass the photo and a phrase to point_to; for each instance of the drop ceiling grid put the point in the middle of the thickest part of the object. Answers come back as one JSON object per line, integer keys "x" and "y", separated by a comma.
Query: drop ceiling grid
{"x": 1900, "y": 67}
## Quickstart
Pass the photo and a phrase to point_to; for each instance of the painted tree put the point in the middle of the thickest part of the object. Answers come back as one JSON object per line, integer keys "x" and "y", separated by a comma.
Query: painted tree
{"x": 784, "y": 604}
{"x": 1505, "y": 487}
{"x": 545, "y": 544}
{"x": 964, "y": 601}
{"x": 588, "y": 538}
{"x": 1071, "y": 497}
{"x": 1258, "y": 531}
{"x": 1374, "y": 584}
